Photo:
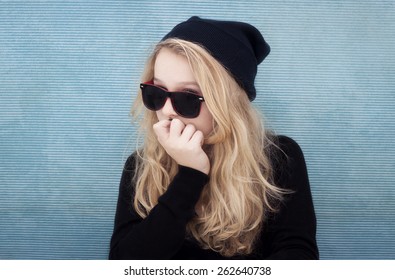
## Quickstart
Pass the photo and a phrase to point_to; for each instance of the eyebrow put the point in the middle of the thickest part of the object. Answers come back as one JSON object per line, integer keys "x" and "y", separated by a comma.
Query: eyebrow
{"x": 180, "y": 83}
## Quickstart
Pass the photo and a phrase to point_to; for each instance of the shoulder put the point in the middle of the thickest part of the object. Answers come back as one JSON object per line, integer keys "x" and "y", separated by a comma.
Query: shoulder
{"x": 284, "y": 148}
{"x": 128, "y": 174}
{"x": 287, "y": 159}
{"x": 287, "y": 145}
{"x": 130, "y": 163}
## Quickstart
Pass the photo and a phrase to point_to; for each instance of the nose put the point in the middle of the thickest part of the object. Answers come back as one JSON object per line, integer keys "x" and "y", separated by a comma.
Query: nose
{"x": 168, "y": 110}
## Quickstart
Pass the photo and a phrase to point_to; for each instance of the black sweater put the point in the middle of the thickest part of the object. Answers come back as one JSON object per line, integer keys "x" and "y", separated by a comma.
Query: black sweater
{"x": 287, "y": 234}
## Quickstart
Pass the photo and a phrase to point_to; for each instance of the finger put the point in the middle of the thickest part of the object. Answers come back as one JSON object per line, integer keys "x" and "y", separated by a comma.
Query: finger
{"x": 162, "y": 129}
{"x": 197, "y": 138}
{"x": 188, "y": 132}
{"x": 176, "y": 127}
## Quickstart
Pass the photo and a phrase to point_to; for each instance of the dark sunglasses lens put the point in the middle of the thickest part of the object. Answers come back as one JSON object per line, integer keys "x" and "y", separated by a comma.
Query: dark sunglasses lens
{"x": 186, "y": 104}
{"x": 154, "y": 98}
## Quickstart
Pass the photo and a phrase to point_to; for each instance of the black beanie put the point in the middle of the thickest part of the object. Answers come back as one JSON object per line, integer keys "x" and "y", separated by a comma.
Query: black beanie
{"x": 238, "y": 46}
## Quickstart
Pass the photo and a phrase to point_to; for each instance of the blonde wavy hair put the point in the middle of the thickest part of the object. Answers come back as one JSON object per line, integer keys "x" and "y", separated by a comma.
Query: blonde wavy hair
{"x": 235, "y": 202}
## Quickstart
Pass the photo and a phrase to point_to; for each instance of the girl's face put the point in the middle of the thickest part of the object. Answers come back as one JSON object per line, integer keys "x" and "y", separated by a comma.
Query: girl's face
{"x": 173, "y": 73}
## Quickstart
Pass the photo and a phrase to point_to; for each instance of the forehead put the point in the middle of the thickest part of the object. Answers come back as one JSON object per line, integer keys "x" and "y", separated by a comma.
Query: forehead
{"x": 172, "y": 68}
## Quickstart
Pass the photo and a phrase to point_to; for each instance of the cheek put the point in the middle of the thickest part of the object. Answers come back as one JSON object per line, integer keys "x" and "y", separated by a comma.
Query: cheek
{"x": 205, "y": 121}
{"x": 160, "y": 115}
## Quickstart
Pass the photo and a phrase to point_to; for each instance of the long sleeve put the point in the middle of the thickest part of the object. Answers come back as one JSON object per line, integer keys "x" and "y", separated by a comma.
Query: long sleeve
{"x": 286, "y": 234}
{"x": 161, "y": 234}
{"x": 291, "y": 233}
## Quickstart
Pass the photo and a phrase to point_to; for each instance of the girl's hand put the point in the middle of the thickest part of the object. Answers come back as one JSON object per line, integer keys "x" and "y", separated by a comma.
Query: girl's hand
{"x": 183, "y": 143}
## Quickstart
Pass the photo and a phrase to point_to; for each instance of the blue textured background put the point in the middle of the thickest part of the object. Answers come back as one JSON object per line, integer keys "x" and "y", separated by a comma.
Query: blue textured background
{"x": 68, "y": 74}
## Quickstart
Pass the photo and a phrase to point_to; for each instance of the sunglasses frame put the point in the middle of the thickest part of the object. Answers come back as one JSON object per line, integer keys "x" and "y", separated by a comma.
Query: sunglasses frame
{"x": 172, "y": 95}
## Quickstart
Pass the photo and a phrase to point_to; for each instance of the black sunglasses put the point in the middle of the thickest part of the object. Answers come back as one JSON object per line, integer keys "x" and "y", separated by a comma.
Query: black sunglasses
{"x": 186, "y": 104}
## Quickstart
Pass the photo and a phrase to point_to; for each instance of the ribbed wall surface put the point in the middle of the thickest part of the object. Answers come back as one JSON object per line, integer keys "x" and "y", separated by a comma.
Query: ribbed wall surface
{"x": 68, "y": 73}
